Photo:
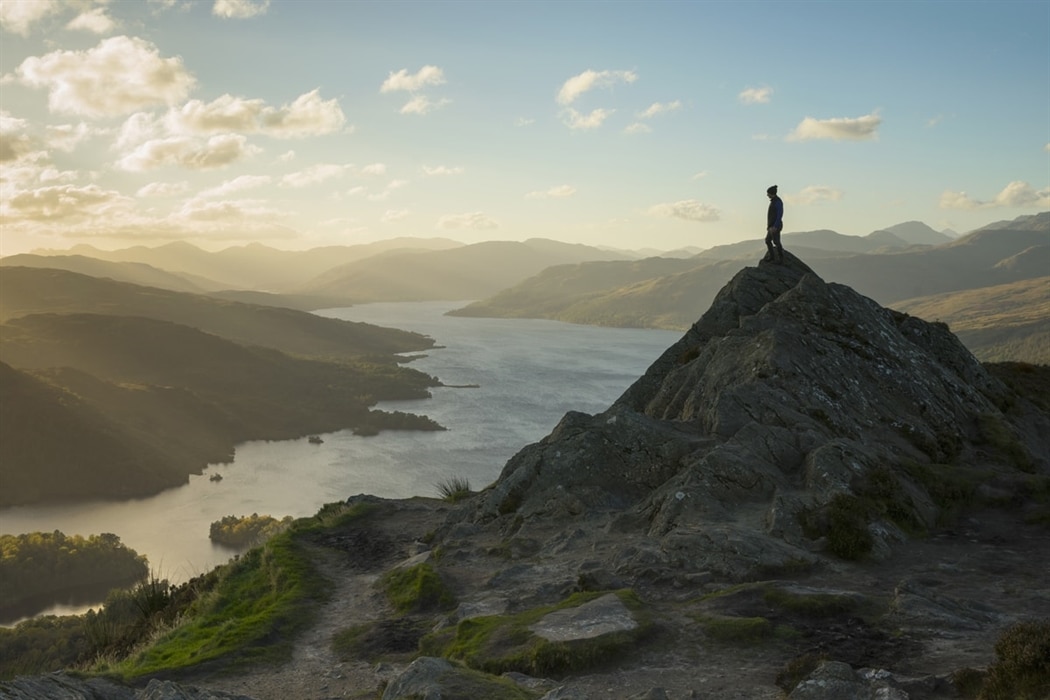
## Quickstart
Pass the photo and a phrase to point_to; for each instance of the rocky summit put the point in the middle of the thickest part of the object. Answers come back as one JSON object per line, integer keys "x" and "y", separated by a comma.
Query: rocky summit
{"x": 790, "y": 395}
{"x": 807, "y": 496}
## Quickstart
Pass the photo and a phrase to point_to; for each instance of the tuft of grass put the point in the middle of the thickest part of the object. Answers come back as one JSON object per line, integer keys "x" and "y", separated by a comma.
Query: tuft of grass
{"x": 1022, "y": 665}
{"x": 260, "y": 602}
{"x": 417, "y": 588}
{"x": 848, "y": 535}
{"x": 454, "y": 489}
{"x": 501, "y": 643}
{"x": 798, "y": 669}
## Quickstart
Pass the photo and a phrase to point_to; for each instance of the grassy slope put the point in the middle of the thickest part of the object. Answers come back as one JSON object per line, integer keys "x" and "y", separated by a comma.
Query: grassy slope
{"x": 1009, "y": 321}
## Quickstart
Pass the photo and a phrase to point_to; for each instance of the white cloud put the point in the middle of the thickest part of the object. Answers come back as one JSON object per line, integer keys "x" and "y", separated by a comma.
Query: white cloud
{"x": 686, "y": 210}
{"x": 237, "y": 184}
{"x": 50, "y": 174}
{"x": 391, "y": 215}
{"x": 120, "y": 75}
{"x": 473, "y": 220}
{"x": 699, "y": 176}
{"x": 756, "y": 96}
{"x": 815, "y": 194}
{"x": 187, "y": 152}
{"x": 1017, "y": 194}
{"x": 440, "y": 170}
{"x": 576, "y": 120}
{"x": 559, "y": 192}
{"x": 1047, "y": 147}
{"x": 842, "y": 129}
{"x": 95, "y": 21}
{"x": 66, "y": 137}
{"x": 227, "y": 210}
{"x": 386, "y": 192}
{"x": 524, "y": 121}
{"x": 638, "y": 128}
{"x": 421, "y": 104}
{"x": 374, "y": 169}
{"x": 163, "y": 189}
{"x": 308, "y": 115}
{"x": 15, "y": 142}
{"x": 60, "y": 203}
{"x": 18, "y": 15}
{"x": 286, "y": 157}
{"x": 239, "y": 9}
{"x": 589, "y": 80}
{"x": 658, "y": 108}
{"x": 313, "y": 175}
{"x": 402, "y": 81}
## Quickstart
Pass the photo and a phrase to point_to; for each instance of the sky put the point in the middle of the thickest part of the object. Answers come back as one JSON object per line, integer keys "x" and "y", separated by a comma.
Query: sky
{"x": 632, "y": 125}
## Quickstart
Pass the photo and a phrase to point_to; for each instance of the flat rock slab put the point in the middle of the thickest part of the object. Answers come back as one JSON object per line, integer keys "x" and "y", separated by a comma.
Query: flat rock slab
{"x": 600, "y": 616}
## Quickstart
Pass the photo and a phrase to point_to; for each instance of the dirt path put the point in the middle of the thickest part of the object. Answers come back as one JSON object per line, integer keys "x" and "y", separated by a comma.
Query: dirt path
{"x": 956, "y": 591}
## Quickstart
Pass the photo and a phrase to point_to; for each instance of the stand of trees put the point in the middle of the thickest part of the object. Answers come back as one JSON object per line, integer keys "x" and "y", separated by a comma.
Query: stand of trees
{"x": 248, "y": 530}
{"x": 39, "y": 568}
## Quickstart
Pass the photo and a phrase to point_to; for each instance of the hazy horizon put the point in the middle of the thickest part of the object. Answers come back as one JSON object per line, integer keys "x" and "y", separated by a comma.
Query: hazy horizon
{"x": 625, "y": 125}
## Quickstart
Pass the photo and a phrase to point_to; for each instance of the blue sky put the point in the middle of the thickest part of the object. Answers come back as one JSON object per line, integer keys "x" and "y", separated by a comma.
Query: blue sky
{"x": 624, "y": 124}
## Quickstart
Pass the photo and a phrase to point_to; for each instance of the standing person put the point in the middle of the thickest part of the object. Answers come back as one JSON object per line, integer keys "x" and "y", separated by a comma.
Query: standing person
{"x": 774, "y": 225}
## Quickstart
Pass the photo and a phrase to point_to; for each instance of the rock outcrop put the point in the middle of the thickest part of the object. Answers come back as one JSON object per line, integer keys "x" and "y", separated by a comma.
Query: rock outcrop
{"x": 789, "y": 395}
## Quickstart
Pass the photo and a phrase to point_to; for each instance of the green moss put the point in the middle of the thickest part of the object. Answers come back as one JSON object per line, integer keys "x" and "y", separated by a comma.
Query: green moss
{"x": 502, "y": 643}
{"x": 738, "y": 630}
{"x": 810, "y": 604}
{"x": 417, "y": 588}
{"x": 953, "y": 488}
{"x": 997, "y": 433}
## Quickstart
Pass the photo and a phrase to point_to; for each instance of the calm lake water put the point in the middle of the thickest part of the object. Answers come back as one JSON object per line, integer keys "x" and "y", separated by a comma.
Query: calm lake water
{"x": 529, "y": 374}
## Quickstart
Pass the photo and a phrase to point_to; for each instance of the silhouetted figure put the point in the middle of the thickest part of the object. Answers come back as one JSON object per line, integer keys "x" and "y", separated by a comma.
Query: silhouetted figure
{"x": 774, "y": 225}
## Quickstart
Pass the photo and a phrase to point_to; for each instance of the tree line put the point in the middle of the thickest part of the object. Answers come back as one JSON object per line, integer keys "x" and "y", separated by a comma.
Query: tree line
{"x": 40, "y": 568}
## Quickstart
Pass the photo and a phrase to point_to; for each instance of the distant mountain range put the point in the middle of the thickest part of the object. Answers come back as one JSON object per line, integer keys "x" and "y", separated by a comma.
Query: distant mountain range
{"x": 888, "y": 266}
{"x": 541, "y": 278}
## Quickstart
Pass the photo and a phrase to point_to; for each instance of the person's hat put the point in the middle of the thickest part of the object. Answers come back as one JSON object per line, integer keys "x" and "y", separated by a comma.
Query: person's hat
{"x": 772, "y": 190}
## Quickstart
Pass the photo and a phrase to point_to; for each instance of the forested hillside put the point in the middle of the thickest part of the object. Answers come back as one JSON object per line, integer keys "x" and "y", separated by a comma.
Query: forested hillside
{"x": 153, "y": 385}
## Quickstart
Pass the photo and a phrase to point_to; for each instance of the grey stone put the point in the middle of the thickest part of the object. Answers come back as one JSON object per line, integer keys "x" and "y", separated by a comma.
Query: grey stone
{"x": 604, "y": 615}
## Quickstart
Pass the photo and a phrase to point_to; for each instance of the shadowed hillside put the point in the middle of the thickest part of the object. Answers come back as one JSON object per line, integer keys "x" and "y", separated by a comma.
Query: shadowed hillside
{"x": 26, "y": 291}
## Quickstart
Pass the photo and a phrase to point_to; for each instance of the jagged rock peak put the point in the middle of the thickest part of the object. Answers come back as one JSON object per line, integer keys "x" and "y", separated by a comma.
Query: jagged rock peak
{"x": 787, "y": 393}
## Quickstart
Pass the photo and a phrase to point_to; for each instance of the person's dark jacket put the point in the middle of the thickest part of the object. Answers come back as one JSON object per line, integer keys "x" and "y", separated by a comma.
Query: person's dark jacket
{"x": 775, "y": 215}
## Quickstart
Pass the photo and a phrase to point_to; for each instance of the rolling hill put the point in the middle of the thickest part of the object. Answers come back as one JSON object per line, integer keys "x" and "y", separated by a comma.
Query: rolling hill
{"x": 468, "y": 272}
{"x": 25, "y": 291}
{"x": 157, "y": 401}
{"x": 114, "y": 390}
{"x": 252, "y": 267}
